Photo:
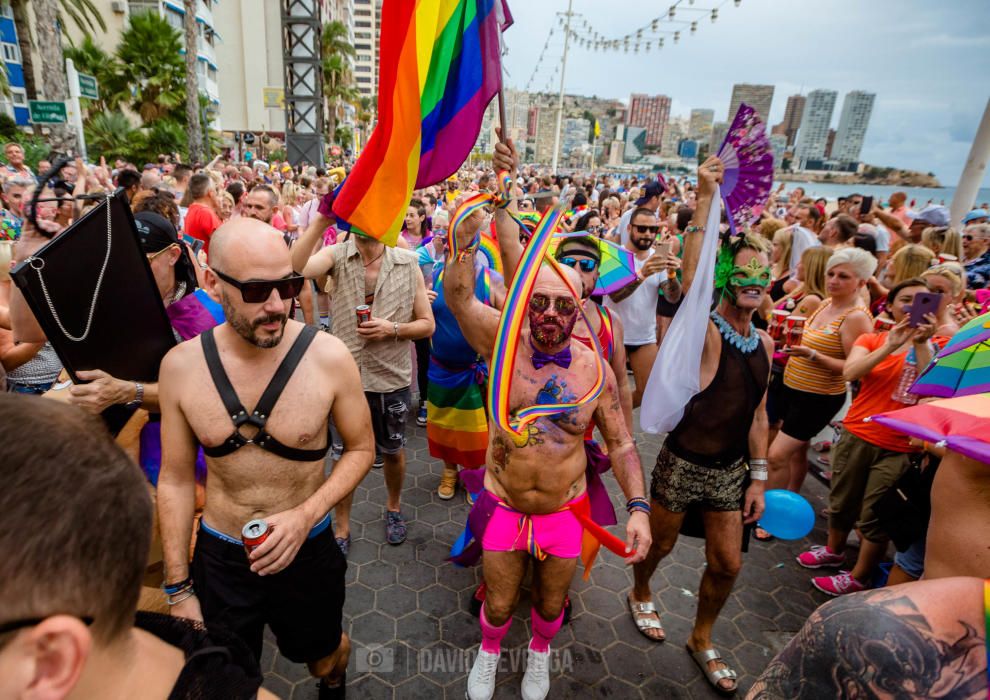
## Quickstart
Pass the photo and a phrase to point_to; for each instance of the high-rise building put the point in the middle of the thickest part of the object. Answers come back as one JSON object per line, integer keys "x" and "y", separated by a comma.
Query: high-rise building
{"x": 700, "y": 124}
{"x": 788, "y": 127}
{"x": 719, "y": 130}
{"x": 829, "y": 143}
{"x": 853, "y": 121}
{"x": 366, "y": 20}
{"x": 651, "y": 113}
{"x": 574, "y": 134}
{"x": 813, "y": 133}
{"x": 676, "y": 131}
{"x": 16, "y": 106}
{"x": 759, "y": 97}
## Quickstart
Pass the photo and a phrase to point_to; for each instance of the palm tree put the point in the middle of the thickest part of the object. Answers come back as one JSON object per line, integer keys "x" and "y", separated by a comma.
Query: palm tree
{"x": 193, "y": 126}
{"x": 108, "y": 133}
{"x": 62, "y": 138}
{"x": 336, "y": 51}
{"x": 151, "y": 68}
{"x": 84, "y": 14}
{"x": 89, "y": 58}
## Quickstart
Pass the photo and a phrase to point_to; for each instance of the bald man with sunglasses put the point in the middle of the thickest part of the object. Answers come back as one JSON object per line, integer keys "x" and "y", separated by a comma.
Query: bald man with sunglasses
{"x": 257, "y": 392}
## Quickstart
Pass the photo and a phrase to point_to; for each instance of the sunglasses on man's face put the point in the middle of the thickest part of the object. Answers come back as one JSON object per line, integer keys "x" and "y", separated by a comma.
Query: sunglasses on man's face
{"x": 586, "y": 264}
{"x": 646, "y": 229}
{"x": 540, "y": 303}
{"x": 258, "y": 291}
{"x": 152, "y": 256}
{"x": 15, "y": 625}
{"x": 967, "y": 237}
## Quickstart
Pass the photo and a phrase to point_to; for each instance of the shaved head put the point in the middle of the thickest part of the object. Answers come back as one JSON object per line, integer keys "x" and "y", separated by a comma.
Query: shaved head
{"x": 244, "y": 243}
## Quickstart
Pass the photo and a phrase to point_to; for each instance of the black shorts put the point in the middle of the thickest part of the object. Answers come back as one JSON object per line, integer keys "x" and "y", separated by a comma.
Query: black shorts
{"x": 630, "y": 349}
{"x": 302, "y": 604}
{"x": 388, "y": 419}
{"x": 805, "y": 414}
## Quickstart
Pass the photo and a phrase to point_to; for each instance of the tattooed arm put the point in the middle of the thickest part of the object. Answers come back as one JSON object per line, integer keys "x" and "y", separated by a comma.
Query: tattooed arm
{"x": 625, "y": 464}
{"x": 918, "y": 640}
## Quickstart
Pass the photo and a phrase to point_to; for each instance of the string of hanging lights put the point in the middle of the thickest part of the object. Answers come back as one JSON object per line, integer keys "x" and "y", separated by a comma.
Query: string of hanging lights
{"x": 651, "y": 35}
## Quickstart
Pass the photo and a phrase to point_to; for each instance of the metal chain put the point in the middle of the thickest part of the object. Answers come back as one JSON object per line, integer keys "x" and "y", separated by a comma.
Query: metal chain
{"x": 96, "y": 292}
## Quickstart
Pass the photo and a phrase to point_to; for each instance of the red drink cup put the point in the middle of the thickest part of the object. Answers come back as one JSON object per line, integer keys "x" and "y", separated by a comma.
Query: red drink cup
{"x": 795, "y": 328}
{"x": 778, "y": 318}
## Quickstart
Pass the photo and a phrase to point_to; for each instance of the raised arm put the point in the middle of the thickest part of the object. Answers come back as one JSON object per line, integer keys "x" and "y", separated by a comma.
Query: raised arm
{"x": 708, "y": 177}
{"x": 478, "y": 322}
{"x": 510, "y": 248}
{"x": 304, "y": 260}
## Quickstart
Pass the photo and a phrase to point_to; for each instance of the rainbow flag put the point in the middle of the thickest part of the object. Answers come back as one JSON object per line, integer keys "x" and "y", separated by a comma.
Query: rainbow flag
{"x": 439, "y": 68}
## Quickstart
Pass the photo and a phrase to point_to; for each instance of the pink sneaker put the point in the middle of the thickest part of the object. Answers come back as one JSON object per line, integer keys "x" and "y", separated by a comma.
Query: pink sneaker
{"x": 837, "y": 585}
{"x": 819, "y": 556}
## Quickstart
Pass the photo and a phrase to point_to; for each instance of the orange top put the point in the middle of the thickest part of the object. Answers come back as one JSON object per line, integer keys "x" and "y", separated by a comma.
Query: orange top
{"x": 804, "y": 374}
{"x": 875, "y": 396}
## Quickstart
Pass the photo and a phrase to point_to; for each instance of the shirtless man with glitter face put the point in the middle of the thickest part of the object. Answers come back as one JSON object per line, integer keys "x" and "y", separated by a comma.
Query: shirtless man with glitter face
{"x": 531, "y": 479}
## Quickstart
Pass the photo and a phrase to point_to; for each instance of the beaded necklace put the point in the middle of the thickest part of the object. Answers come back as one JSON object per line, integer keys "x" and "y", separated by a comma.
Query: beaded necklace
{"x": 746, "y": 344}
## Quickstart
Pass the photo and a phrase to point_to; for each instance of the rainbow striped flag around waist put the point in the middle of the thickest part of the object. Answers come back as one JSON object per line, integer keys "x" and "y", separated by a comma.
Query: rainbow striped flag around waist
{"x": 440, "y": 66}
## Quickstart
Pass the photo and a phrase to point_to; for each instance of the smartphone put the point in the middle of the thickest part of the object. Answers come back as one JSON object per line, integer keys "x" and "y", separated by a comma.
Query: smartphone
{"x": 924, "y": 303}
{"x": 662, "y": 248}
{"x": 194, "y": 243}
{"x": 866, "y": 206}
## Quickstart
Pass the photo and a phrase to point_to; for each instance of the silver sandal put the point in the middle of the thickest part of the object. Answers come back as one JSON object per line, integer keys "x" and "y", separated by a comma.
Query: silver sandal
{"x": 645, "y": 623}
{"x": 702, "y": 658}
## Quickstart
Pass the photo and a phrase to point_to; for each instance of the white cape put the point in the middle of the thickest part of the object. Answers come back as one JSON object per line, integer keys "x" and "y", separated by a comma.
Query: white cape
{"x": 676, "y": 374}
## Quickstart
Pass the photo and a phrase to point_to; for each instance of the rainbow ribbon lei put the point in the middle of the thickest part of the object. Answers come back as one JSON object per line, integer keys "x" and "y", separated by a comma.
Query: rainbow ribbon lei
{"x": 509, "y": 332}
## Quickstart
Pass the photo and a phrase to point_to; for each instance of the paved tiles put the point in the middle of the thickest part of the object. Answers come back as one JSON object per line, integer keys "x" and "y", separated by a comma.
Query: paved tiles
{"x": 406, "y": 608}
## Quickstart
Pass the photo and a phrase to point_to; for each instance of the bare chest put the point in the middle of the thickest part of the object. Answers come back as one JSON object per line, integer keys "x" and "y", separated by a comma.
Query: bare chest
{"x": 298, "y": 418}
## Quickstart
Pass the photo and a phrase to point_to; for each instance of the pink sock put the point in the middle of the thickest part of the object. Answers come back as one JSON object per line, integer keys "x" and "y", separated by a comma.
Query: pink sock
{"x": 544, "y": 630}
{"x": 491, "y": 636}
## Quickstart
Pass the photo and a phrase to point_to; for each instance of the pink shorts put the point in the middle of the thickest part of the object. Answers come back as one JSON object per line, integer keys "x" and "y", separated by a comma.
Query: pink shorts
{"x": 557, "y": 534}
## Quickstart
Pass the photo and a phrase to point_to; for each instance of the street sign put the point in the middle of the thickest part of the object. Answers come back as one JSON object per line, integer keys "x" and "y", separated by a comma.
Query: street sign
{"x": 88, "y": 87}
{"x": 47, "y": 112}
{"x": 274, "y": 97}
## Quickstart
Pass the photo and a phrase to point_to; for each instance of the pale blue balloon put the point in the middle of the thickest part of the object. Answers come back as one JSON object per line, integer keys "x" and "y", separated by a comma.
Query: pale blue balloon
{"x": 788, "y": 515}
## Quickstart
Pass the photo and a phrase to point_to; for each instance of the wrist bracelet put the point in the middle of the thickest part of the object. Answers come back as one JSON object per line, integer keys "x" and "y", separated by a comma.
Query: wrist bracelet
{"x": 693, "y": 229}
{"x": 395, "y": 329}
{"x": 757, "y": 462}
{"x": 758, "y": 474}
{"x": 185, "y": 595}
{"x": 814, "y": 355}
{"x": 173, "y": 588}
{"x": 641, "y": 507}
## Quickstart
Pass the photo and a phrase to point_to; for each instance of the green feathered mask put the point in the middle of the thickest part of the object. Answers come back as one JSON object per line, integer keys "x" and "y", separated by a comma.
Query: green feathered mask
{"x": 724, "y": 265}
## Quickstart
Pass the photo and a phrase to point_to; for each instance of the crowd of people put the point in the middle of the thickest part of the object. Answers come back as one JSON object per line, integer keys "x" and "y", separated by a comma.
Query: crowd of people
{"x": 327, "y": 345}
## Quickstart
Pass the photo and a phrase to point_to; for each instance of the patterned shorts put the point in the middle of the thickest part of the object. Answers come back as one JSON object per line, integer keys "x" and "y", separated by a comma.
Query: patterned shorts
{"x": 677, "y": 483}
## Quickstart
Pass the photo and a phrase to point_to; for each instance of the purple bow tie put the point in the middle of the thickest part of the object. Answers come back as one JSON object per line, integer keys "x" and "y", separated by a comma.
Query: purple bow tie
{"x": 561, "y": 359}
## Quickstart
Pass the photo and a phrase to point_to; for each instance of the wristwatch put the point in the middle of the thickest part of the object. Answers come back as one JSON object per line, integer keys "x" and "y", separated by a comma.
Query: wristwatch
{"x": 138, "y": 396}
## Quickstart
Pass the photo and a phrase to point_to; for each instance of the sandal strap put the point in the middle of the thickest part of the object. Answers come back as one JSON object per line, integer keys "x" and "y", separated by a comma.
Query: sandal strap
{"x": 636, "y": 607}
{"x": 706, "y": 655}
{"x": 721, "y": 673}
{"x": 646, "y": 623}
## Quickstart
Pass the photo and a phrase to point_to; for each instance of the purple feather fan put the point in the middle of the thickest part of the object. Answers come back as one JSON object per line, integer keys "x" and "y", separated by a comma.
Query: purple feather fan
{"x": 748, "y": 161}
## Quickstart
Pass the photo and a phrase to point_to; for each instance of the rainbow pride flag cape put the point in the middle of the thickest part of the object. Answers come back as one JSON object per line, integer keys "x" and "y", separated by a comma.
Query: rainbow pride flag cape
{"x": 440, "y": 66}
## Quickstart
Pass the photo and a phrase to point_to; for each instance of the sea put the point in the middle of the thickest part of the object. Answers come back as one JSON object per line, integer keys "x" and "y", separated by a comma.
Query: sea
{"x": 917, "y": 196}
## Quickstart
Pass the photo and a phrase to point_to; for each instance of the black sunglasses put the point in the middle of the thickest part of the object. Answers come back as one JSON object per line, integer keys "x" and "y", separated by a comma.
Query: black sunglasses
{"x": 15, "y": 625}
{"x": 646, "y": 229}
{"x": 587, "y": 264}
{"x": 258, "y": 291}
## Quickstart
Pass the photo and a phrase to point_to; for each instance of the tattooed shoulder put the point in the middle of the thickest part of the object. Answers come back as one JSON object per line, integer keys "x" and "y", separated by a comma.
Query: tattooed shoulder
{"x": 877, "y": 644}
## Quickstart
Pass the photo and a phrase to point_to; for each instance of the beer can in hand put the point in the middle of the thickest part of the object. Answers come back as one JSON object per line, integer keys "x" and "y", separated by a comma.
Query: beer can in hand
{"x": 254, "y": 533}
{"x": 363, "y": 313}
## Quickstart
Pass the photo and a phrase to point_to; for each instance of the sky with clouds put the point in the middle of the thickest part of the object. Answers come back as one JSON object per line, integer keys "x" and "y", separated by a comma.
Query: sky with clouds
{"x": 928, "y": 63}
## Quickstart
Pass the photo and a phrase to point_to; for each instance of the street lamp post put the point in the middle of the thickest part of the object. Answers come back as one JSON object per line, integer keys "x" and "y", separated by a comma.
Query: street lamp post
{"x": 560, "y": 96}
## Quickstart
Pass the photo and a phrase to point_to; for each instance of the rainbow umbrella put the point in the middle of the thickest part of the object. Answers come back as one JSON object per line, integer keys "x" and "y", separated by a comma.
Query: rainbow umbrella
{"x": 959, "y": 424}
{"x": 618, "y": 265}
{"x": 962, "y": 367}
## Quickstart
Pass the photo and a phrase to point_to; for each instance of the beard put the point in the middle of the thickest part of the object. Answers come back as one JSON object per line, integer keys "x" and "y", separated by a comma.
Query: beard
{"x": 247, "y": 328}
{"x": 551, "y": 332}
{"x": 642, "y": 243}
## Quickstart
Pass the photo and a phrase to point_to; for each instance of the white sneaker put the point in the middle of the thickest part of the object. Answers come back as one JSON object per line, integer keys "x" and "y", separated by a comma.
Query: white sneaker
{"x": 536, "y": 680}
{"x": 481, "y": 680}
